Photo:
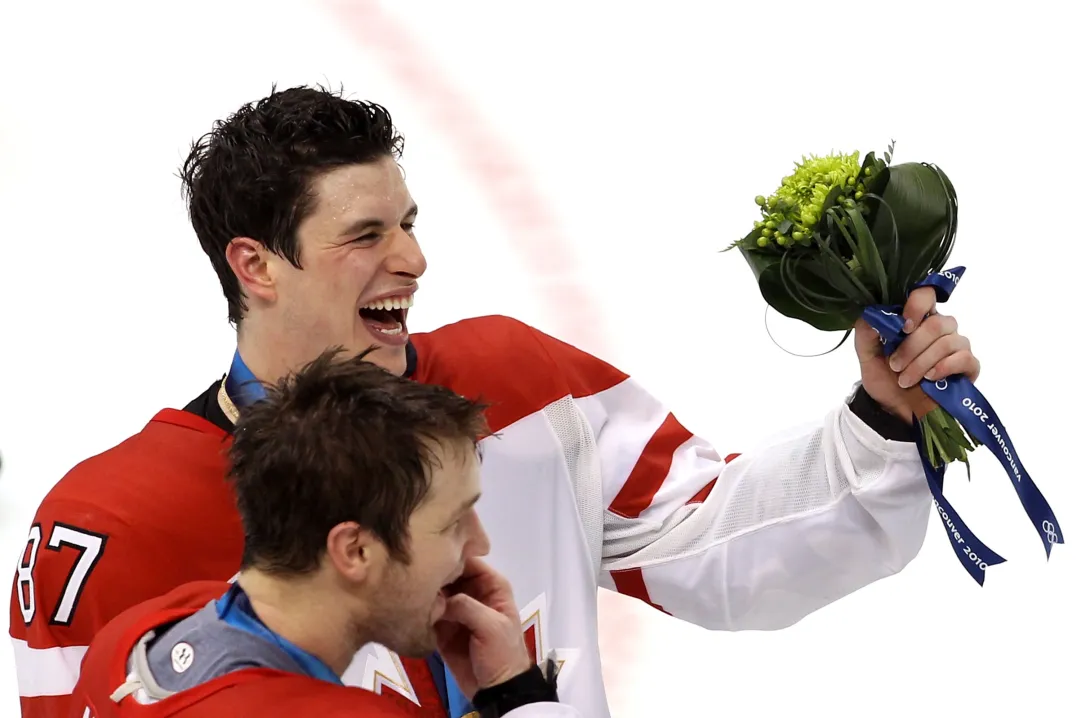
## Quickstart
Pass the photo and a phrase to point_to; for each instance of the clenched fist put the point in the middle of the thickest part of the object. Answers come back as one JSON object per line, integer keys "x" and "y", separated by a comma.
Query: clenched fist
{"x": 932, "y": 350}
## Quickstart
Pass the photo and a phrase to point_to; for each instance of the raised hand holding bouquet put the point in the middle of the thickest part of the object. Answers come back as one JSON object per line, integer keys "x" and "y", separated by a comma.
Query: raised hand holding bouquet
{"x": 845, "y": 244}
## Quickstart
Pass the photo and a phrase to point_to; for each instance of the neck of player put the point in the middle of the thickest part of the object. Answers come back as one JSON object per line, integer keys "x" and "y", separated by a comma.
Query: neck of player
{"x": 304, "y": 612}
{"x": 267, "y": 353}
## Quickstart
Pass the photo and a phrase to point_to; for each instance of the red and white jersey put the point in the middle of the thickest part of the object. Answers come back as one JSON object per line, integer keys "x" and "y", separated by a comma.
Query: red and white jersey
{"x": 591, "y": 482}
{"x": 111, "y": 684}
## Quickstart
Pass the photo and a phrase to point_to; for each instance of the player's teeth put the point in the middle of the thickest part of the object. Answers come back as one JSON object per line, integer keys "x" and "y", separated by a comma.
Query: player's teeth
{"x": 392, "y": 303}
{"x": 391, "y": 332}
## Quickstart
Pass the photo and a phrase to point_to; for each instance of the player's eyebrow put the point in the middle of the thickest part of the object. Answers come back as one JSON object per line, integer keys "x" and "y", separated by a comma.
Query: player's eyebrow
{"x": 363, "y": 224}
{"x": 463, "y": 507}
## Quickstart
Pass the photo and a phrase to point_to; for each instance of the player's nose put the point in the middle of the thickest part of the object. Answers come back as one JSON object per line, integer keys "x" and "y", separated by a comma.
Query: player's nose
{"x": 479, "y": 545}
{"x": 405, "y": 257}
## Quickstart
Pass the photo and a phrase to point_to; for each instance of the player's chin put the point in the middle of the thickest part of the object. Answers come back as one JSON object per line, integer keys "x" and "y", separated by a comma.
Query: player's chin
{"x": 391, "y": 357}
{"x": 393, "y": 360}
{"x": 422, "y": 645}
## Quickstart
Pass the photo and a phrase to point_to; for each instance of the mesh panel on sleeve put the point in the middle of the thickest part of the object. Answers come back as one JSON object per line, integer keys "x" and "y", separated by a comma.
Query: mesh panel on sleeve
{"x": 580, "y": 452}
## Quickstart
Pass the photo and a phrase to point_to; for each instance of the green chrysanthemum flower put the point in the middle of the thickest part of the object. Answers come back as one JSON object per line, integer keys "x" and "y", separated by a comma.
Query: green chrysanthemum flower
{"x": 792, "y": 212}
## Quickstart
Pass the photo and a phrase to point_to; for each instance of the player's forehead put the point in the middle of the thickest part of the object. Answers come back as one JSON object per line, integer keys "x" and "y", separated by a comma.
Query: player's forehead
{"x": 454, "y": 478}
{"x": 352, "y": 193}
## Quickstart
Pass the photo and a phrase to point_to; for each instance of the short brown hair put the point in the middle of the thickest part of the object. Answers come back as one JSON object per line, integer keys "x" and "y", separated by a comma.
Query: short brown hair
{"x": 336, "y": 441}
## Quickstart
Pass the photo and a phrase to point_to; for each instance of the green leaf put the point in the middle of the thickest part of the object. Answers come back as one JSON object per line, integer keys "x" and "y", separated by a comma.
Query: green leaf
{"x": 767, "y": 271}
{"x": 947, "y": 436}
{"x": 749, "y": 241}
{"x": 844, "y": 276}
{"x": 838, "y": 225}
{"x": 870, "y": 259}
{"x": 807, "y": 288}
{"x": 830, "y": 200}
{"x": 925, "y": 428}
{"x": 891, "y": 250}
{"x": 877, "y": 182}
{"x": 938, "y": 453}
{"x": 922, "y": 207}
{"x": 733, "y": 245}
{"x": 868, "y": 164}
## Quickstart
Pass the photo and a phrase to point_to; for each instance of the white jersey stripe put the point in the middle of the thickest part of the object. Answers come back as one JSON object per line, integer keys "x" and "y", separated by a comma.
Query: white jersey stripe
{"x": 47, "y": 671}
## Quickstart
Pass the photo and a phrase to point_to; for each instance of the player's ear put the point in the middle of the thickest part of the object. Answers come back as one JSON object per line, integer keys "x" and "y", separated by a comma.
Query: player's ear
{"x": 353, "y": 551}
{"x": 251, "y": 262}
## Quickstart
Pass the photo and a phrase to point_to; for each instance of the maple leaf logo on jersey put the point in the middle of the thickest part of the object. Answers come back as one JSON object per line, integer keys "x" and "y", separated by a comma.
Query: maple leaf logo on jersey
{"x": 533, "y": 628}
{"x": 376, "y": 667}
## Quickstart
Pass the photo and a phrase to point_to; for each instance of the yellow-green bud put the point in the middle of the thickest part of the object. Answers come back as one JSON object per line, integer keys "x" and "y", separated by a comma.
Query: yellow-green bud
{"x": 859, "y": 195}
{"x": 763, "y": 241}
{"x": 798, "y": 202}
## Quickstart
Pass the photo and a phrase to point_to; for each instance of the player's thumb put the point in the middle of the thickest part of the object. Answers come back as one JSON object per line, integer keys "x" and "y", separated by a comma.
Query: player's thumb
{"x": 868, "y": 341}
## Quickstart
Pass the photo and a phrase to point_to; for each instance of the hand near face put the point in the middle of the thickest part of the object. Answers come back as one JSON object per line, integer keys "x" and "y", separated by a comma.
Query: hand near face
{"x": 480, "y": 634}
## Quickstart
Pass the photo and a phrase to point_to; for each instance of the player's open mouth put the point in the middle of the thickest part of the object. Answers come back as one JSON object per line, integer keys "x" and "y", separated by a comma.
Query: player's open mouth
{"x": 450, "y": 587}
{"x": 386, "y": 317}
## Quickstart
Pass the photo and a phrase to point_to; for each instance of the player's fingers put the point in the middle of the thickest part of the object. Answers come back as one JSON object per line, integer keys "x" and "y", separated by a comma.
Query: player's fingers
{"x": 475, "y": 568}
{"x": 940, "y": 350}
{"x": 920, "y": 303}
{"x": 468, "y": 611}
{"x": 483, "y": 582}
{"x": 915, "y": 344}
{"x": 445, "y": 630}
{"x": 960, "y": 362}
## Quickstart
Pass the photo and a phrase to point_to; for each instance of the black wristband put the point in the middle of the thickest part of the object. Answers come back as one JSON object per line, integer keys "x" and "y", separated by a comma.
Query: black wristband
{"x": 528, "y": 687}
{"x": 883, "y": 422}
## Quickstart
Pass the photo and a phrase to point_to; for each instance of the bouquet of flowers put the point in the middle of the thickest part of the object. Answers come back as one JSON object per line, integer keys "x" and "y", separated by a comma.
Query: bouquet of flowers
{"x": 844, "y": 238}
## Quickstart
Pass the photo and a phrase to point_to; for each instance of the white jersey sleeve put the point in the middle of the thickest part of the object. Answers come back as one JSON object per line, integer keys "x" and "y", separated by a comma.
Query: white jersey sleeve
{"x": 751, "y": 541}
{"x": 727, "y": 541}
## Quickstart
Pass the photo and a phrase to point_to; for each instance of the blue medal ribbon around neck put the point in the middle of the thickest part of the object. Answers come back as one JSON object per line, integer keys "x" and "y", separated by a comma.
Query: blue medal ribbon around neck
{"x": 243, "y": 390}
{"x": 234, "y": 608}
{"x": 960, "y": 399}
{"x": 241, "y": 385}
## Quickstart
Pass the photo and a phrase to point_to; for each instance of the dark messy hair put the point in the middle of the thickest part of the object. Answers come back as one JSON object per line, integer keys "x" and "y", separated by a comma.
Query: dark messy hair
{"x": 251, "y": 175}
{"x": 338, "y": 441}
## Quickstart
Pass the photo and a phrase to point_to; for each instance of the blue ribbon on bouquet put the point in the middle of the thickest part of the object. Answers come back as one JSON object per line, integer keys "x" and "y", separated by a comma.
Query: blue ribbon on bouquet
{"x": 244, "y": 389}
{"x": 961, "y": 400}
